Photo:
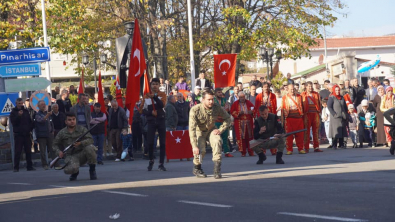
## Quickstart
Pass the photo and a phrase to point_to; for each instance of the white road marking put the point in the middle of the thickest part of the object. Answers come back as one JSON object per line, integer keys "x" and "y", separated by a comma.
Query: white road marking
{"x": 322, "y": 217}
{"x": 205, "y": 204}
{"x": 63, "y": 187}
{"x": 124, "y": 193}
{"x": 21, "y": 184}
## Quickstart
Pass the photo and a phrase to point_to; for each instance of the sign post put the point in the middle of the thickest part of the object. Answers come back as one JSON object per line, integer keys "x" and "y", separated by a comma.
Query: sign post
{"x": 32, "y": 84}
{"x": 33, "y": 69}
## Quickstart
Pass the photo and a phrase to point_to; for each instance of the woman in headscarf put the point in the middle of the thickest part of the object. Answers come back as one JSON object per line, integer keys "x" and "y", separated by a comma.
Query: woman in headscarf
{"x": 380, "y": 134}
{"x": 338, "y": 117}
{"x": 387, "y": 103}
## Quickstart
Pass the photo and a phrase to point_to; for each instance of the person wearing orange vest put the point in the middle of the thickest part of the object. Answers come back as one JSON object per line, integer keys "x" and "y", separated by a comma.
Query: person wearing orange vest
{"x": 292, "y": 114}
{"x": 312, "y": 109}
{"x": 268, "y": 99}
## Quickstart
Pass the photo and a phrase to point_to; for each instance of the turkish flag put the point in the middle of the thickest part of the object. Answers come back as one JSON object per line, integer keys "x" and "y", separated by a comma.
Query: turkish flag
{"x": 81, "y": 87}
{"x": 147, "y": 88}
{"x": 136, "y": 70}
{"x": 178, "y": 145}
{"x": 224, "y": 70}
{"x": 100, "y": 96}
{"x": 118, "y": 92}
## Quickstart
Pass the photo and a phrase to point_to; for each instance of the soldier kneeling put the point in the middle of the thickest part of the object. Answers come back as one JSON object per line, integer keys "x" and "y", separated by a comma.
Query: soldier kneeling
{"x": 267, "y": 135}
{"x": 84, "y": 151}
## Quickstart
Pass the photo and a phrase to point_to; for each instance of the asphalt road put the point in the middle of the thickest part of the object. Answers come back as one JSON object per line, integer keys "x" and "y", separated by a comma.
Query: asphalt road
{"x": 337, "y": 185}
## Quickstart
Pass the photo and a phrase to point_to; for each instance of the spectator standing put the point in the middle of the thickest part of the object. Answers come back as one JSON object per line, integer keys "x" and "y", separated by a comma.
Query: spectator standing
{"x": 387, "y": 102}
{"x": 370, "y": 92}
{"x": 353, "y": 123}
{"x": 289, "y": 80}
{"x": 64, "y": 102}
{"x": 325, "y": 116}
{"x": 196, "y": 95}
{"x": 317, "y": 86}
{"x": 22, "y": 128}
{"x": 171, "y": 114}
{"x": 98, "y": 133}
{"x": 182, "y": 84}
{"x": 56, "y": 92}
{"x": 152, "y": 106}
{"x": 117, "y": 121}
{"x": 191, "y": 100}
{"x": 234, "y": 96}
{"x": 324, "y": 93}
{"x": 366, "y": 124}
{"x": 386, "y": 83}
{"x": 338, "y": 117}
{"x": 182, "y": 108}
{"x": 58, "y": 119}
{"x": 252, "y": 95}
{"x": 32, "y": 114}
{"x": 137, "y": 129}
{"x": 44, "y": 132}
{"x": 202, "y": 82}
{"x": 380, "y": 132}
{"x": 359, "y": 92}
{"x": 255, "y": 82}
{"x": 82, "y": 111}
{"x": 72, "y": 90}
{"x": 164, "y": 86}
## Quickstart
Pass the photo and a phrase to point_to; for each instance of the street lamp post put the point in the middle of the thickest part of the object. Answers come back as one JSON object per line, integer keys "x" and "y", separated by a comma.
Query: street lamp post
{"x": 85, "y": 61}
{"x": 266, "y": 55}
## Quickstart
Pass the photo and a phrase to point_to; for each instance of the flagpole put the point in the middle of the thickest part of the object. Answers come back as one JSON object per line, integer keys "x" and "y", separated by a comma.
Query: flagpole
{"x": 191, "y": 45}
{"x": 46, "y": 44}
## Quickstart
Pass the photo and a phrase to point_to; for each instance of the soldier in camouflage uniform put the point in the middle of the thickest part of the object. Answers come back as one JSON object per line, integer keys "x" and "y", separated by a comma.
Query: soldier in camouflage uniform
{"x": 219, "y": 100}
{"x": 267, "y": 135}
{"x": 202, "y": 118}
{"x": 84, "y": 151}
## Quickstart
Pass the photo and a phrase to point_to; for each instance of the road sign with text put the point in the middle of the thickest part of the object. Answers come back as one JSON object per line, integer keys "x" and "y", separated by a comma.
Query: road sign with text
{"x": 23, "y": 56}
{"x": 30, "y": 84}
{"x": 33, "y": 69}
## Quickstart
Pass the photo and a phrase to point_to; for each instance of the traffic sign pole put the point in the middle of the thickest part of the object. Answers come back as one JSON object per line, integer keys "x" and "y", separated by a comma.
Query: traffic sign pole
{"x": 46, "y": 44}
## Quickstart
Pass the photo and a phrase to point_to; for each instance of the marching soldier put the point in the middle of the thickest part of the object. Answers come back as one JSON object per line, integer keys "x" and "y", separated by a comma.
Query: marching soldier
{"x": 84, "y": 151}
{"x": 267, "y": 135}
{"x": 202, "y": 128}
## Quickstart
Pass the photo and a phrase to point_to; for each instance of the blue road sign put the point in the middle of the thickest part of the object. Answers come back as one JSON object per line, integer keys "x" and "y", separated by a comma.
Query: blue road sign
{"x": 23, "y": 56}
{"x": 7, "y": 103}
{"x": 20, "y": 70}
{"x": 37, "y": 96}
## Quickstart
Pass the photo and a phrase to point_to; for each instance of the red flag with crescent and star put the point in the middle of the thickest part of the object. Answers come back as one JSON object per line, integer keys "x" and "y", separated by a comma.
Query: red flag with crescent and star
{"x": 178, "y": 145}
{"x": 224, "y": 70}
{"x": 100, "y": 96}
{"x": 136, "y": 71}
{"x": 81, "y": 86}
{"x": 118, "y": 93}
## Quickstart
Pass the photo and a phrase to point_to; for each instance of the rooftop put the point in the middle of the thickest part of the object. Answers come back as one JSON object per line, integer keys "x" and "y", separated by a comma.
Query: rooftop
{"x": 356, "y": 42}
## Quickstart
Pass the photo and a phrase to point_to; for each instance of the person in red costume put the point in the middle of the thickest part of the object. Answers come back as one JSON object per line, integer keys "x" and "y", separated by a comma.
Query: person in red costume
{"x": 312, "y": 110}
{"x": 268, "y": 99}
{"x": 243, "y": 111}
{"x": 292, "y": 114}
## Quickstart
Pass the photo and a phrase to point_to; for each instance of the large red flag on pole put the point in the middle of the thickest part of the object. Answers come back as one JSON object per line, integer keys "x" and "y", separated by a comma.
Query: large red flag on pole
{"x": 137, "y": 68}
{"x": 224, "y": 70}
{"x": 100, "y": 96}
{"x": 118, "y": 92}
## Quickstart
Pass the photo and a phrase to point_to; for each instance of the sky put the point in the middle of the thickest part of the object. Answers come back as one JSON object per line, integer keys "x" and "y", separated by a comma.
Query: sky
{"x": 365, "y": 18}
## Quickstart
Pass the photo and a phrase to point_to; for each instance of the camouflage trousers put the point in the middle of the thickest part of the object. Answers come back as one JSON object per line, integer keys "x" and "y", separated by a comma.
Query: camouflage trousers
{"x": 215, "y": 143}
{"x": 269, "y": 144}
{"x": 74, "y": 161}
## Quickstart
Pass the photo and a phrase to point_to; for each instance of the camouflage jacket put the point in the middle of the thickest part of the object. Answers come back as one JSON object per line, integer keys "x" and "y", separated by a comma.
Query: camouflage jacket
{"x": 65, "y": 138}
{"x": 202, "y": 119}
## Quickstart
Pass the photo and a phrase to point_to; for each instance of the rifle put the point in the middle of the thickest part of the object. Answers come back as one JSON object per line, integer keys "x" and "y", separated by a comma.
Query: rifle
{"x": 271, "y": 138}
{"x": 70, "y": 147}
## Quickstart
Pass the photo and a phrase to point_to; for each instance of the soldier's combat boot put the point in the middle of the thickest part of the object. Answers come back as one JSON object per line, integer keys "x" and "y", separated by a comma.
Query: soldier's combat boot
{"x": 74, "y": 176}
{"x": 217, "y": 170}
{"x": 92, "y": 171}
{"x": 392, "y": 148}
{"x": 262, "y": 157}
{"x": 279, "y": 159}
{"x": 198, "y": 172}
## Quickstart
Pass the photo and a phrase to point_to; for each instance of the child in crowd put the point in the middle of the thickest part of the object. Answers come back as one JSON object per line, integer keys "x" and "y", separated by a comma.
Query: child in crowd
{"x": 326, "y": 120}
{"x": 127, "y": 145}
{"x": 353, "y": 122}
{"x": 366, "y": 124}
